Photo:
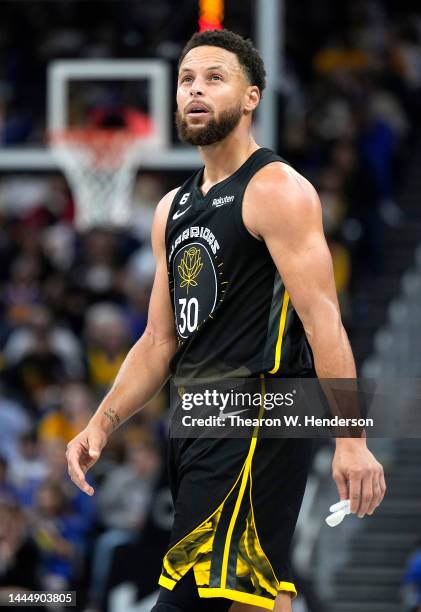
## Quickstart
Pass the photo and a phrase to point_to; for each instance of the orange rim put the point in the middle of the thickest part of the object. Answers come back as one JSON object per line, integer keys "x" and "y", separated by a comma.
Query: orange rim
{"x": 106, "y": 146}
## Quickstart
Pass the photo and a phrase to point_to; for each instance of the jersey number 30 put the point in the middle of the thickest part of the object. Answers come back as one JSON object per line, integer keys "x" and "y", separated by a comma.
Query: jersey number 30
{"x": 189, "y": 314}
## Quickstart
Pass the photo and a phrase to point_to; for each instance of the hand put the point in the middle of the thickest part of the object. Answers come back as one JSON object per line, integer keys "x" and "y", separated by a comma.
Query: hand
{"x": 358, "y": 475}
{"x": 82, "y": 453}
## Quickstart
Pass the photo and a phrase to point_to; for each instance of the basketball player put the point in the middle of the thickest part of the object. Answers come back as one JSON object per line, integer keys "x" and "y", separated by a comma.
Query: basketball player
{"x": 243, "y": 287}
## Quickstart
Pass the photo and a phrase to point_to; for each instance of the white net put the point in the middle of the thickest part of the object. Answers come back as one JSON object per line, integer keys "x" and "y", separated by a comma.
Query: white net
{"x": 100, "y": 166}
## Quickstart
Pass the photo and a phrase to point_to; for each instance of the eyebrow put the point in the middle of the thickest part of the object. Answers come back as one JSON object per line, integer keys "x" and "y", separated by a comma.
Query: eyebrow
{"x": 219, "y": 67}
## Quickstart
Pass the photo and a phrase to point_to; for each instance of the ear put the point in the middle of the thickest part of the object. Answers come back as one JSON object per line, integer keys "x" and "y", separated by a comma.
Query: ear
{"x": 252, "y": 98}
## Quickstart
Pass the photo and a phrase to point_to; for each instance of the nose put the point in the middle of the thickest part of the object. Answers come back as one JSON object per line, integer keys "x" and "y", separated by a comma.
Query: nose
{"x": 196, "y": 87}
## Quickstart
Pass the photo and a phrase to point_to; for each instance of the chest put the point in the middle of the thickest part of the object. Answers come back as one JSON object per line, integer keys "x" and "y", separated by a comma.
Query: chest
{"x": 209, "y": 221}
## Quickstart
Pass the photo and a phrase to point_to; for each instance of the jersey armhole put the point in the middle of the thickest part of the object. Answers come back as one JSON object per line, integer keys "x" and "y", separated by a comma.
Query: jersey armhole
{"x": 268, "y": 157}
{"x": 170, "y": 212}
{"x": 240, "y": 225}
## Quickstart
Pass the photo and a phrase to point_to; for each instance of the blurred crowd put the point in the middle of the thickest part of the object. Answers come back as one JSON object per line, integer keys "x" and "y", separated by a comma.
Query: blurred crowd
{"x": 351, "y": 123}
{"x": 72, "y": 305}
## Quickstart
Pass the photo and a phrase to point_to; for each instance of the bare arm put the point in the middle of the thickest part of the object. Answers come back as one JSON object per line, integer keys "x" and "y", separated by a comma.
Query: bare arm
{"x": 144, "y": 370}
{"x": 146, "y": 367}
{"x": 288, "y": 218}
{"x": 290, "y": 222}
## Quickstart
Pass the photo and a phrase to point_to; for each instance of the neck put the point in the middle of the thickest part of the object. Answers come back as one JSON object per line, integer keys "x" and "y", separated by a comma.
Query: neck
{"x": 223, "y": 158}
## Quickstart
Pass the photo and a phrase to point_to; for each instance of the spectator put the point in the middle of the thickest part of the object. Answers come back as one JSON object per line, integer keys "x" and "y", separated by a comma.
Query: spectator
{"x": 22, "y": 290}
{"x": 83, "y": 506}
{"x": 14, "y": 422}
{"x": 412, "y": 579}
{"x": 125, "y": 492}
{"x": 137, "y": 284}
{"x": 36, "y": 372}
{"x": 8, "y": 492}
{"x": 19, "y": 556}
{"x": 378, "y": 144}
{"x": 107, "y": 343}
{"x": 57, "y": 533}
{"x": 124, "y": 502}
{"x": 29, "y": 468}
{"x": 95, "y": 267}
{"x": 148, "y": 191}
{"x": 41, "y": 323}
{"x": 332, "y": 200}
{"x": 77, "y": 407}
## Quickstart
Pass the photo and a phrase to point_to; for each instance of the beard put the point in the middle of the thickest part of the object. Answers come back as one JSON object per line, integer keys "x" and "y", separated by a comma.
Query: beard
{"x": 215, "y": 130}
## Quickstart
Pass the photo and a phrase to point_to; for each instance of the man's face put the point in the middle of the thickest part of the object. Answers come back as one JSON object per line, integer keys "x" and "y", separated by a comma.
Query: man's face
{"x": 210, "y": 95}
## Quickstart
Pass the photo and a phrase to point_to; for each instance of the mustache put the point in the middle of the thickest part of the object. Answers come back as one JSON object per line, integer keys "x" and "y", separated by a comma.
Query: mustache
{"x": 216, "y": 130}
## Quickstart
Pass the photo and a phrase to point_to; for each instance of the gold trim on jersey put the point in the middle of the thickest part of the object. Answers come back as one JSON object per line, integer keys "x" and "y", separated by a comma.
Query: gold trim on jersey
{"x": 177, "y": 562}
{"x": 282, "y": 323}
{"x": 248, "y": 598}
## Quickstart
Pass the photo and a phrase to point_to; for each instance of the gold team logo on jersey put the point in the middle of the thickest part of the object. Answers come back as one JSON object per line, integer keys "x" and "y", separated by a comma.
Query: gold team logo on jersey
{"x": 189, "y": 267}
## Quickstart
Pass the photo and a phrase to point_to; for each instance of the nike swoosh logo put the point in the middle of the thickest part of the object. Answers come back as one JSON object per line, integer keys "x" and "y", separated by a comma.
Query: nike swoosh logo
{"x": 180, "y": 212}
{"x": 224, "y": 415}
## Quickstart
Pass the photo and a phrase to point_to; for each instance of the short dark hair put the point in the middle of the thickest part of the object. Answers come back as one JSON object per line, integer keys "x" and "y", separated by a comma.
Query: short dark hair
{"x": 247, "y": 54}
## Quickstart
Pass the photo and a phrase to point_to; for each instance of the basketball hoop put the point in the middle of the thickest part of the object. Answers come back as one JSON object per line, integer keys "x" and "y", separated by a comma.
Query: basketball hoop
{"x": 100, "y": 167}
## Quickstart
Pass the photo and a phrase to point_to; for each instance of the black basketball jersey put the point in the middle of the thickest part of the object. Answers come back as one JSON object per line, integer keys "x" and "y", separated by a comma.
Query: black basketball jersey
{"x": 232, "y": 312}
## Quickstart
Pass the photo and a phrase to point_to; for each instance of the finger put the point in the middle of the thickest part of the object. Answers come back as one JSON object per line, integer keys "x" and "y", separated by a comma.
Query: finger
{"x": 366, "y": 495}
{"x": 383, "y": 486}
{"x": 76, "y": 473}
{"x": 95, "y": 446}
{"x": 77, "y": 477}
{"x": 341, "y": 484}
{"x": 376, "y": 495}
{"x": 86, "y": 462}
{"x": 355, "y": 493}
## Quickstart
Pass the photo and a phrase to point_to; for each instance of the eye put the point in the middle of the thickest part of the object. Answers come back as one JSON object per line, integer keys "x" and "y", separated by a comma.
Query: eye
{"x": 216, "y": 77}
{"x": 186, "y": 79}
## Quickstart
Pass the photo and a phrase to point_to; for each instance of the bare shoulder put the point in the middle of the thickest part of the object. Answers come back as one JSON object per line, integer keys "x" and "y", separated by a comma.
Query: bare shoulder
{"x": 160, "y": 218}
{"x": 280, "y": 180}
{"x": 279, "y": 194}
{"x": 164, "y": 205}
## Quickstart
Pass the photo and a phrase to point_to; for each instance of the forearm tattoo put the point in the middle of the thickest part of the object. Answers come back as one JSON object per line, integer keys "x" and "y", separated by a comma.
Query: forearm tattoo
{"x": 111, "y": 414}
